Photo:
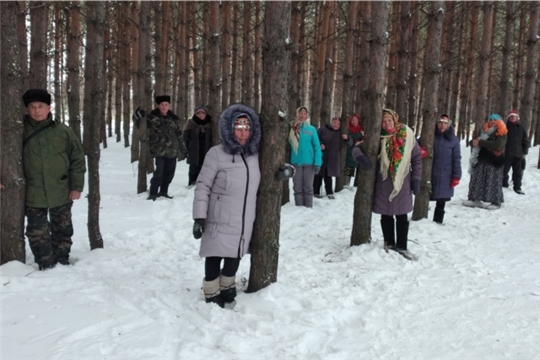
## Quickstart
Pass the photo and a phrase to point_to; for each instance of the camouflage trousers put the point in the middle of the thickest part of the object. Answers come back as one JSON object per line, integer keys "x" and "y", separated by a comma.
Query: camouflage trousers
{"x": 50, "y": 241}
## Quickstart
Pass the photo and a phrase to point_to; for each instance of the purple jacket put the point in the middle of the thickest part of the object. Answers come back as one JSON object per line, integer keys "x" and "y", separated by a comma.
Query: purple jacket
{"x": 226, "y": 192}
{"x": 331, "y": 139}
{"x": 402, "y": 203}
{"x": 446, "y": 164}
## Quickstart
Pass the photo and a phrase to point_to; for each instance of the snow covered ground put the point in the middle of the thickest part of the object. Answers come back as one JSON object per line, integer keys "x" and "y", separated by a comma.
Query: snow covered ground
{"x": 473, "y": 294}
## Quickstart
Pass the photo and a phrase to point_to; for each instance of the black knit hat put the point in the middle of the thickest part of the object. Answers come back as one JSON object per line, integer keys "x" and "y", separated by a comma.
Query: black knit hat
{"x": 162, "y": 98}
{"x": 40, "y": 95}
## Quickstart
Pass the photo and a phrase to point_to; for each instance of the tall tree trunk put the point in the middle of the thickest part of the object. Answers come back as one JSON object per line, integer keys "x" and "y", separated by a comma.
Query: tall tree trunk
{"x": 23, "y": 44}
{"x": 196, "y": 68}
{"x": 519, "y": 59}
{"x": 73, "y": 65}
{"x": 363, "y": 200}
{"x": 57, "y": 60}
{"x": 504, "y": 92}
{"x": 257, "y": 59}
{"x": 532, "y": 59}
{"x": 12, "y": 245}
{"x": 39, "y": 11}
{"x": 214, "y": 105}
{"x": 234, "y": 64}
{"x": 403, "y": 58}
{"x": 225, "y": 54}
{"x": 137, "y": 101}
{"x": 328, "y": 75}
{"x": 247, "y": 64}
{"x": 364, "y": 63}
{"x": 322, "y": 54}
{"x": 276, "y": 59}
{"x": 94, "y": 99}
{"x": 413, "y": 84}
{"x": 429, "y": 111}
{"x": 126, "y": 74}
{"x": 480, "y": 105}
{"x": 393, "y": 58}
{"x": 144, "y": 97}
{"x": 163, "y": 46}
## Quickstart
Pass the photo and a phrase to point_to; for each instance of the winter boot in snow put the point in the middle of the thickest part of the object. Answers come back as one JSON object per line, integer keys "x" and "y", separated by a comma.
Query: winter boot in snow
{"x": 227, "y": 287}
{"x": 402, "y": 230}
{"x": 438, "y": 216}
{"x": 212, "y": 293}
{"x": 387, "y": 226}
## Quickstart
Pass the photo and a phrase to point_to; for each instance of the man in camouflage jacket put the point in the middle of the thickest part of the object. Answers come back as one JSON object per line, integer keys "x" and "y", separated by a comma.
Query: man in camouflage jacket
{"x": 166, "y": 146}
{"x": 54, "y": 168}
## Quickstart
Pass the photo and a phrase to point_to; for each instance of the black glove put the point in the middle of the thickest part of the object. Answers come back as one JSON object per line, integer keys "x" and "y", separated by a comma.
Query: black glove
{"x": 316, "y": 169}
{"x": 415, "y": 186}
{"x": 198, "y": 228}
{"x": 139, "y": 114}
{"x": 285, "y": 172}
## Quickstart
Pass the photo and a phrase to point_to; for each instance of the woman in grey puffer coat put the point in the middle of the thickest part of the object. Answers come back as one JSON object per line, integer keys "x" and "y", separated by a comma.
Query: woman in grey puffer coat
{"x": 224, "y": 206}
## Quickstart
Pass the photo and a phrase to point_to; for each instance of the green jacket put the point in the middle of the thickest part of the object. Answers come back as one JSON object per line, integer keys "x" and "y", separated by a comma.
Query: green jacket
{"x": 165, "y": 135}
{"x": 53, "y": 162}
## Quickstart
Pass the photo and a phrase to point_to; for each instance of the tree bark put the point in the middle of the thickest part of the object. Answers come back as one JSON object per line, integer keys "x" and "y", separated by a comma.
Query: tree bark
{"x": 403, "y": 58}
{"x": 23, "y": 44}
{"x": 12, "y": 197}
{"x": 429, "y": 111}
{"x": 94, "y": 99}
{"x": 39, "y": 11}
{"x": 234, "y": 61}
{"x": 225, "y": 54}
{"x": 73, "y": 66}
{"x": 276, "y": 62}
{"x": 247, "y": 64}
{"x": 504, "y": 91}
{"x": 363, "y": 200}
{"x": 214, "y": 42}
{"x": 57, "y": 61}
{"x": 413, "y": 87}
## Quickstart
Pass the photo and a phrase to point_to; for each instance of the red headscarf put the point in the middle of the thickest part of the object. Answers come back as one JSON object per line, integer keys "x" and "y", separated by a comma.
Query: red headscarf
{"x": 355, "y": 129}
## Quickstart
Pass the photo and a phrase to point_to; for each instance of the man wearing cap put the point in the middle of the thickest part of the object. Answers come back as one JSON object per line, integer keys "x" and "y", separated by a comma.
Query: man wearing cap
{"x": 166, "y": 146}
{"x": 54, "y": 168}
{"x": 198, "y": 140}
{"x": 517, "y": 146}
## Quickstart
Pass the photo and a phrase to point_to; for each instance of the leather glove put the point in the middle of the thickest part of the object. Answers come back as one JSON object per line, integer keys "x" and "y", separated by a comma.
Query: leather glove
{"x": 316, "y": 169}
{"x": 415, "y": 187}
{"x": 198, "y": 228}
{"x": 454, "y": 182}
{"x": 285, "y": 172}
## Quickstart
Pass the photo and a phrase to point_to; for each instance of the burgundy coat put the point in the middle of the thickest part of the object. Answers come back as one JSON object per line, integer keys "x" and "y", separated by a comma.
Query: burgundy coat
{"x": 402, "y": 203}
{"x": 331, "y": 139}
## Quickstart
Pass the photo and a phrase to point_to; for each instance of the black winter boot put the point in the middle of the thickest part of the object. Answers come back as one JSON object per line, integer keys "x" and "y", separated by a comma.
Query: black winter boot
{"x": 387, "y": 226}
{"x": 402, "y": 229}
{"x": 438, "y": 216}
{"x": 212, "y": 293}
{"x": 227, "y": 286}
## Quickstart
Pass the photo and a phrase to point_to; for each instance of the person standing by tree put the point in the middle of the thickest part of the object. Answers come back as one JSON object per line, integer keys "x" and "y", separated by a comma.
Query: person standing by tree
{"x": 517, "y": 146}
{"x": 166, "y": 146}
{"x": 54, "y": 168}
{"x": 355, "y": 135}
{"x": 306, "y": 157}
{"x": 487, "y": 165}
{"x": 446, "y": 170}
{"x": 198, "y": 140}
{"x": 330, "y": 137}
{"x": 398, "y": 177}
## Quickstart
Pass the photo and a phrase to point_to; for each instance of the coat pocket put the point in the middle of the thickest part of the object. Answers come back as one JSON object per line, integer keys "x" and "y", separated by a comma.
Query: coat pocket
{"x": 221, "y": 210}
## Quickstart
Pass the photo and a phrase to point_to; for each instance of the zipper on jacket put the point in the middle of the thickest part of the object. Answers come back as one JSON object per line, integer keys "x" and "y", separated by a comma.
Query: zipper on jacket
{"x": 242, "y": 238}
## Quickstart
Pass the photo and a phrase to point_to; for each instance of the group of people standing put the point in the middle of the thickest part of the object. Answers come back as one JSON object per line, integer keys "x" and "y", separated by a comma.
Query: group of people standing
{"x": 227, "y": 175}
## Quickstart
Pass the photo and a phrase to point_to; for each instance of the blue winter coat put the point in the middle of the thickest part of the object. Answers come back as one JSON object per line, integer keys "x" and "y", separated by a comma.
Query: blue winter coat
{"x": 446, "y": 164}
{"x": 309, "y": 147}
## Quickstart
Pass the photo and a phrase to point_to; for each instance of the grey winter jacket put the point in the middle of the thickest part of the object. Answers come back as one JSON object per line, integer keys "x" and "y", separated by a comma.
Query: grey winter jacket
{"x": 226, "y": 191}
{"x": 402, "y": 203}
{"x": 446, "y": 163}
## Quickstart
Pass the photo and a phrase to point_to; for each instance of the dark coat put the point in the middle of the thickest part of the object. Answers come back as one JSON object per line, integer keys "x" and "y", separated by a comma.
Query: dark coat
{"x": 198, "y": 139}
{"x": 446, "y": 163}
{"x": 165, "y": 135}
{"x": 349, "y": 160}
{"x": 53, "y": 163}
{"x": 226, "y": 192}
{"x": 490, "y": 149}
{"x": 517, "y": 143}
{"x": 331, "y": 139}
{"x": 403, "y": 202}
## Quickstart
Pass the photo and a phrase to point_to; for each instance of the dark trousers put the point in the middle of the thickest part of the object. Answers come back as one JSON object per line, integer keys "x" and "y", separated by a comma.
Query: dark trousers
{"x": 317, "y": 182}
{"x": 50, "y": 242}
{"x": 163, "y": 175}
{"x": 212, "y": 267}
{"x": 438, "y": 214}
{"x": 517, "y": 172}
{"x": 193, "y": 173}
{"x": 401, "y": 228}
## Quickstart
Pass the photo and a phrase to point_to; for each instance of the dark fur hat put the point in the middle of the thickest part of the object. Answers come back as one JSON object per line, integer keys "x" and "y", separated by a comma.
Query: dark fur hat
{"x": 40, "y": 95}
{"x": 162, "y": 98}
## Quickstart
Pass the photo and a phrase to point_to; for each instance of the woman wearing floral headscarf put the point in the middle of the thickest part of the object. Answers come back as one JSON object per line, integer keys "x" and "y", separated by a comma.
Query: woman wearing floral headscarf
{"x": 486, "y": 165}
{"x": 398, "y": 177}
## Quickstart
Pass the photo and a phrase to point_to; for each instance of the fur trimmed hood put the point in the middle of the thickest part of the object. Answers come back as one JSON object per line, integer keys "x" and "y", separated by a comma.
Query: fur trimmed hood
{"x": 226, "y": 133}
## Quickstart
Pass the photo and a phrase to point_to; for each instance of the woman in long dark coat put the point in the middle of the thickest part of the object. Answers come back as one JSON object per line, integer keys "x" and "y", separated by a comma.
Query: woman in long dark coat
{"x": 446, "y": 170}
{"x": 330, "y": 137}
